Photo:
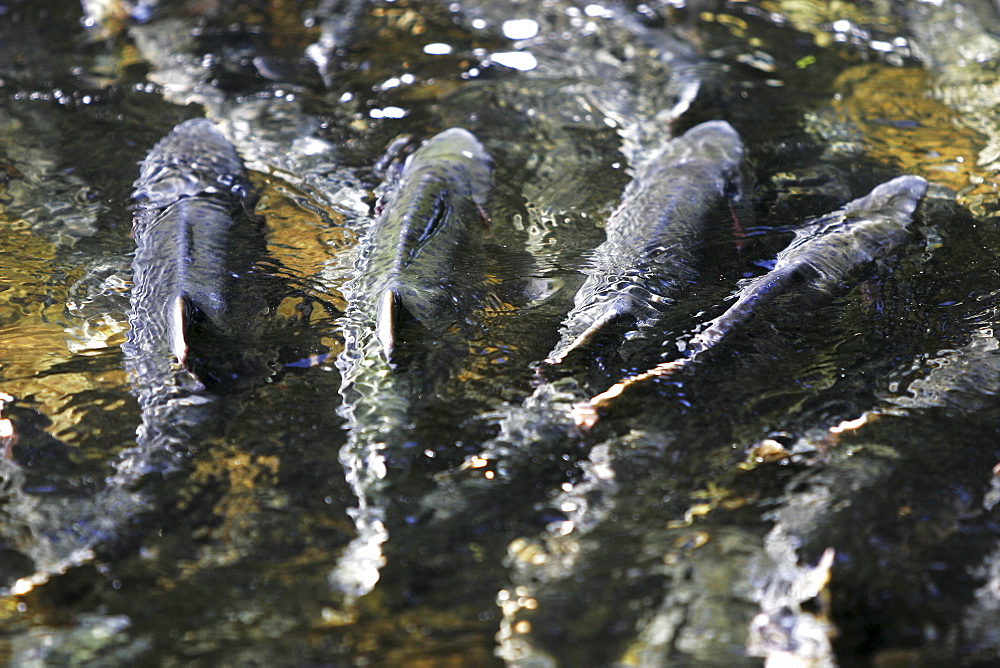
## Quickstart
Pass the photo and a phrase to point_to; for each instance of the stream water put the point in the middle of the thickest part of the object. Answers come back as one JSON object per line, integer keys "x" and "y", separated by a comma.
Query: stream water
{"x": 822, "y": 490}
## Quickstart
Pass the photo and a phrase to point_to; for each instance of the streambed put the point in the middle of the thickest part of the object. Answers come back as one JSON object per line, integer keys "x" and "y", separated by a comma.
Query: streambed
{"x": 823, "y": 489}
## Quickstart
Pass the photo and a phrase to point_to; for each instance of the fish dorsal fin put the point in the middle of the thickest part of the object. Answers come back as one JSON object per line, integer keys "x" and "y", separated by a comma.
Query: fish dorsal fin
{"x": 177, "y": 323}
{"x": 434, "y": 221}
{"x": 613, "y": 312}
{"x": 385, "y": 320}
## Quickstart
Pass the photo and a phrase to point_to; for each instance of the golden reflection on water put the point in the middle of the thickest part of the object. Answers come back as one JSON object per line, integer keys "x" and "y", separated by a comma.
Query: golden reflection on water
{"x": 901, "y": 124}
{"x": 32, "y": 302}
{"x": 27, "y": 265}
{"x": 811, "y": 16}
{"x": 303, "y": 235}
{"x": 422, "y": 637}
{"x": 249, "y": 482}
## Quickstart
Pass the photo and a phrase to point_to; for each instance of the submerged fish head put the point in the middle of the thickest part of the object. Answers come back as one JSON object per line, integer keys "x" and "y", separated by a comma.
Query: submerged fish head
{"x": 456, "y": 156}
{"x": 715, "y": 142}
{"x": 896, "y": 199}
{"x": 194, "y": 159}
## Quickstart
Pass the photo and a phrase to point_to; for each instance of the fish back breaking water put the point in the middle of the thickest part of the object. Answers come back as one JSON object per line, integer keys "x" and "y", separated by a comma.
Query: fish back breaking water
{"x": 193, "y": 160}
{"x": 191, "y": 185}
{"x": 424, "y": 243}
{"x": 818, "y": 259}
{"x": 419, "y": 262}
{"x": 649, "y": 252}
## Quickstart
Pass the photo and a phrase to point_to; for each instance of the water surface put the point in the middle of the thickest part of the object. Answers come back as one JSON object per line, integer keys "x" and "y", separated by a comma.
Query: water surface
{"x": 722, "y": 516}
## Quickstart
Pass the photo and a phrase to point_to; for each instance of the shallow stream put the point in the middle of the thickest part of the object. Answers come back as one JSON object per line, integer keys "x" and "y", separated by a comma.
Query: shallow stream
{"x": 823, "y": 489}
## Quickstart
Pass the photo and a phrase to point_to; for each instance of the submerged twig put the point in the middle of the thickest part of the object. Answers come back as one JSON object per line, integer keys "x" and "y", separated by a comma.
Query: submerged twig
{"x": 821, "y": 254}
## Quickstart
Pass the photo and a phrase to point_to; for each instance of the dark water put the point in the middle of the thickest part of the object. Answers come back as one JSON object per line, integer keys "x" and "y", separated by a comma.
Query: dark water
{"x": 443, "y": 512}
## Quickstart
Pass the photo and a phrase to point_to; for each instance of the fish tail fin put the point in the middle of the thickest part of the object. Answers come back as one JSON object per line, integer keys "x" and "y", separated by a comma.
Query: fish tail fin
{"x": 386, "y": 320}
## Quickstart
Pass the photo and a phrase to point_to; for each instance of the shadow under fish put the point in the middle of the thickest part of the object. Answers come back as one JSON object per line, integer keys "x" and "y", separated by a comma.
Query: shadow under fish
{"x": 418, "y": 277}
{"x": 192, "y": 197}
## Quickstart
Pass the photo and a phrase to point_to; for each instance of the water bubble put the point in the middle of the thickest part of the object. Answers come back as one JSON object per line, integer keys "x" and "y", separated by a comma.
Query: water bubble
{"x": 516, "y": 60}
{"x": 388, "y": 112}
{"x": 597, "y": 11}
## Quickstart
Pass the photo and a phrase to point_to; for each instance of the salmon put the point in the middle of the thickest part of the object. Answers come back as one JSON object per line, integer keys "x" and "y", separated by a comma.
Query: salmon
{"x": 422, "y": 248}
{"x": 822, "y": 254}
{"x": 191, "y": 186}
{"x": 648, "y": 254}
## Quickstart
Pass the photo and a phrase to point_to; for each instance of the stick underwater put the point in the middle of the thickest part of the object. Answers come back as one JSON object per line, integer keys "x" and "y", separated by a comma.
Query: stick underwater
{"x": 821, "y": 254}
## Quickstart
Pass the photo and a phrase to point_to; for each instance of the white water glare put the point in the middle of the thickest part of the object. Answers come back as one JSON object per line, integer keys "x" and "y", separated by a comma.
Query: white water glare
{"x": 516, "y": 60}
{"x": 519, "y": 29}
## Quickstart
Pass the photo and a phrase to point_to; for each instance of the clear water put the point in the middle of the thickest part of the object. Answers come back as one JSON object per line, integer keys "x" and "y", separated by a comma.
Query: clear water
{"x": 716, "y": 517}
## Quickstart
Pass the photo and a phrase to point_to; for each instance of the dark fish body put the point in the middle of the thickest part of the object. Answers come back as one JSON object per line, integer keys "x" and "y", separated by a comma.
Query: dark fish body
{"x": 650, "y": 236}
{"x": 191, "y": 186}
{"x": 824, "y": 252}
{"x": 420, "y": 261}
{"x": 425, "y": 243}
{"x": 818, "y": 259}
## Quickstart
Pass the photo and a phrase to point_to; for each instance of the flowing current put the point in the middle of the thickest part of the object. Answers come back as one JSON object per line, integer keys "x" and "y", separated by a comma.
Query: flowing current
{"x": 470, "y": 333}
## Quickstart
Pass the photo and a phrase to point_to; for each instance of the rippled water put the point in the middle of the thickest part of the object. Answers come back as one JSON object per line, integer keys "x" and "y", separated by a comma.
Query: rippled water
{"x": 823, "y": 488}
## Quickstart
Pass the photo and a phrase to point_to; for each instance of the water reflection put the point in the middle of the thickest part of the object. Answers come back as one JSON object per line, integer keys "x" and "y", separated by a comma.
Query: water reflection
{"x": 740, "y": 513}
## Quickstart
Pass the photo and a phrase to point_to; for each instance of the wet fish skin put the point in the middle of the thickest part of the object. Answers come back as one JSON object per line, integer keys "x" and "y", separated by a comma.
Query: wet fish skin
{"x": 816, "y": 261}
{"x": 195, "y": 159}
{"x": 672, "y": 182}
{"x": 650, "y": 236}
{"x": 824, "y": 252}
{"x": 190, "y": 187}
{"x": 428, "y": 231}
